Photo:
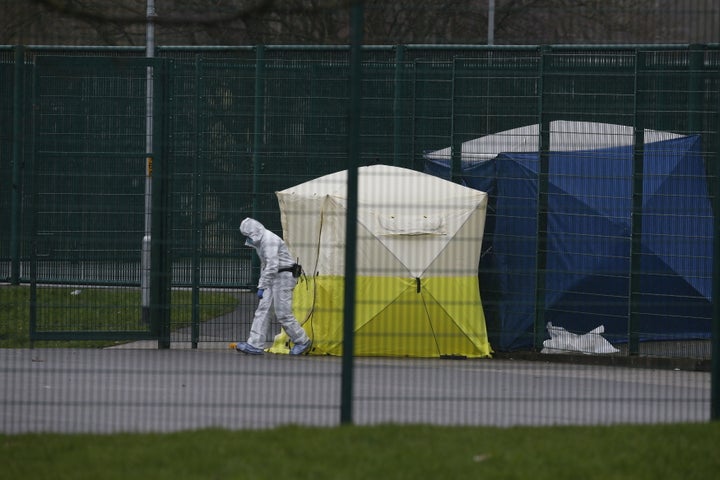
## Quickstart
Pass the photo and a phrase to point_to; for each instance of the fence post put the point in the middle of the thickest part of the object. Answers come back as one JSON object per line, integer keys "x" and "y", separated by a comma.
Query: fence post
{"x": 413, "y": 118}
{"x": 636, "y": 213}
{"x": 197, "y": 191}
{"x": 695, "y": 88}
{"x": 258, "y": 123}
{"x": 17, "y": 153}
{"x": 542, "y": 203}
{"x": 397, "y": 104}
{"x": 456, "y": 174}
{"x": 258, "y": 112}
{"x": 31, "y": 192}
{"x": 715, "y": 327}
{"x": 160, "y": 237}
{"x": 346, "y": 387}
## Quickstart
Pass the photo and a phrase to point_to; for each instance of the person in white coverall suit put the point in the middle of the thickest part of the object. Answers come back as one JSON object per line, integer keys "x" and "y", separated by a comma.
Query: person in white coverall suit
{"x": 275, "y": 290}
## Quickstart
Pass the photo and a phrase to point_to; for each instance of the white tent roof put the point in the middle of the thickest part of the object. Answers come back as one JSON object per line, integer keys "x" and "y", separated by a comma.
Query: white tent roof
{"x": 565, "y": 136}
{"x": 406, "y": 219}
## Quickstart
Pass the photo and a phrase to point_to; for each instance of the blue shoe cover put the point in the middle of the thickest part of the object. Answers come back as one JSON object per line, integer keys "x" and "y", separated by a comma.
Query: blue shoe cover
{"x": 301, "y": 348}
{"x": 248, "y": 349}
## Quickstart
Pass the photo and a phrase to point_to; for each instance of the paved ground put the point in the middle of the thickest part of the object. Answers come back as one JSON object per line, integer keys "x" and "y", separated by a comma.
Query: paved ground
{"x": 137, "y": 388}
{"x": 150, "y": 390}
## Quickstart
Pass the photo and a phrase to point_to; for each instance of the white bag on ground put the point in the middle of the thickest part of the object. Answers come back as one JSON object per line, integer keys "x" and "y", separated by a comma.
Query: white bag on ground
{"x": 562, "y": 341}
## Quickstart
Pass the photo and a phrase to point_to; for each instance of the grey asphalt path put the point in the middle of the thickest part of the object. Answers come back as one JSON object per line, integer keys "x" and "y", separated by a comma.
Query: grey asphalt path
{"x": 150, "y": 390}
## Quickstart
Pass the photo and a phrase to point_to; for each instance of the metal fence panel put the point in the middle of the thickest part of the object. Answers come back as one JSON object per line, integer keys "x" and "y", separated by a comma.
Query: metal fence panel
{"x": 7, "y": 164}
{"x": 574, "y": 237}
{"x": 88, "y": 179}
{"x": 247, "y": 123}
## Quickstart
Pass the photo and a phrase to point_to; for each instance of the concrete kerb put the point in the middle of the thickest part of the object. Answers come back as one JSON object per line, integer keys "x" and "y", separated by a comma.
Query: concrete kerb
{"x": 634, "y": 361}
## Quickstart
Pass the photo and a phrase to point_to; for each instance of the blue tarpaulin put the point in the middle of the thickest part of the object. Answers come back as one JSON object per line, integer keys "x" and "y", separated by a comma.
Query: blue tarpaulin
{"x": 587, "y": 276}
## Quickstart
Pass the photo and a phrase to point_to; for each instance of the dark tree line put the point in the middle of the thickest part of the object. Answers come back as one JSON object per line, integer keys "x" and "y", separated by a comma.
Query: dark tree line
{"x": 325, "y": 22}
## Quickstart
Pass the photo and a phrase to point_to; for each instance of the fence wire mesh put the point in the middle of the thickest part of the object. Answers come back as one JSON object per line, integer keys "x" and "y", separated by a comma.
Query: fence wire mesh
{"x": 516, "y": 204}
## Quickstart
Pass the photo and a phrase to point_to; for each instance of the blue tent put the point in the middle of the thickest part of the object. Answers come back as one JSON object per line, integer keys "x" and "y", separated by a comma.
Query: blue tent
{"x": 589, "y": 227}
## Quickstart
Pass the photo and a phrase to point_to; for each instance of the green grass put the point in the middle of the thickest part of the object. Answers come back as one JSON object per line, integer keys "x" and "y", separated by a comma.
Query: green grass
{"x": 685, "y": 451}
{"x": 94, "y": 309}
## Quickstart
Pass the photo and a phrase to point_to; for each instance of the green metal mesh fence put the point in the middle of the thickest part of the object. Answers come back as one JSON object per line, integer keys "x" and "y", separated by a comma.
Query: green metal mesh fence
{"x": 235, "y": 126}
{"x": 244, "y": 123}
{"x": 6, "y": 166}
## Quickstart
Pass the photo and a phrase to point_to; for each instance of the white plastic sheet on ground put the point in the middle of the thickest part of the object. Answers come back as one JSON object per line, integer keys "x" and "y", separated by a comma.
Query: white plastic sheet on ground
{"x": 562, "y": 341}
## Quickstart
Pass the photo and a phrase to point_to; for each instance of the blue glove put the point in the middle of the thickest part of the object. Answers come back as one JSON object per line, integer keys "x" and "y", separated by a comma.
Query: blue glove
{"x": 260, "y": 292}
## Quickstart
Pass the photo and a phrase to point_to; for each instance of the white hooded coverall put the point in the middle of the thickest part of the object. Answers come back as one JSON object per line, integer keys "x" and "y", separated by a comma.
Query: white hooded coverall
{"x": 278, "y": 286}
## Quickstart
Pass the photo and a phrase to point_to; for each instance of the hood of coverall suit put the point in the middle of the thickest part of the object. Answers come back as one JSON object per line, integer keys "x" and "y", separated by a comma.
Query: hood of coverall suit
{"x": 252, "y": 229}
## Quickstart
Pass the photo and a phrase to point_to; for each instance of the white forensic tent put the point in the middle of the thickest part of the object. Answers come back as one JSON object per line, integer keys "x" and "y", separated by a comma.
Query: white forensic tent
{"x": 418, "y": 249}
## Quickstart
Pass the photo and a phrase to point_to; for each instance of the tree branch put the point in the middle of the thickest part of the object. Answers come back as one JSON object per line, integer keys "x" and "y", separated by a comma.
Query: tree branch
{"x": 259, "y": 7}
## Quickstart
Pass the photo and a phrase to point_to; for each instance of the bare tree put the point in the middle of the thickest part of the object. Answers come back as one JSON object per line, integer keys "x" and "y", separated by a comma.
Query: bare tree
{"x": 323, "y": 22}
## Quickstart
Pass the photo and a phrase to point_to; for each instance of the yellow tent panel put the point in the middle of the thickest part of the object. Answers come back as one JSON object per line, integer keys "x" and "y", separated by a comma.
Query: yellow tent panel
{"x": 393, "y": 317}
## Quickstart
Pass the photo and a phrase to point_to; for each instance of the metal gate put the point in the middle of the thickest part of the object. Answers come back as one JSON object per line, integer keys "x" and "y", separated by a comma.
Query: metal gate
{"x": 98, "y": 187}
